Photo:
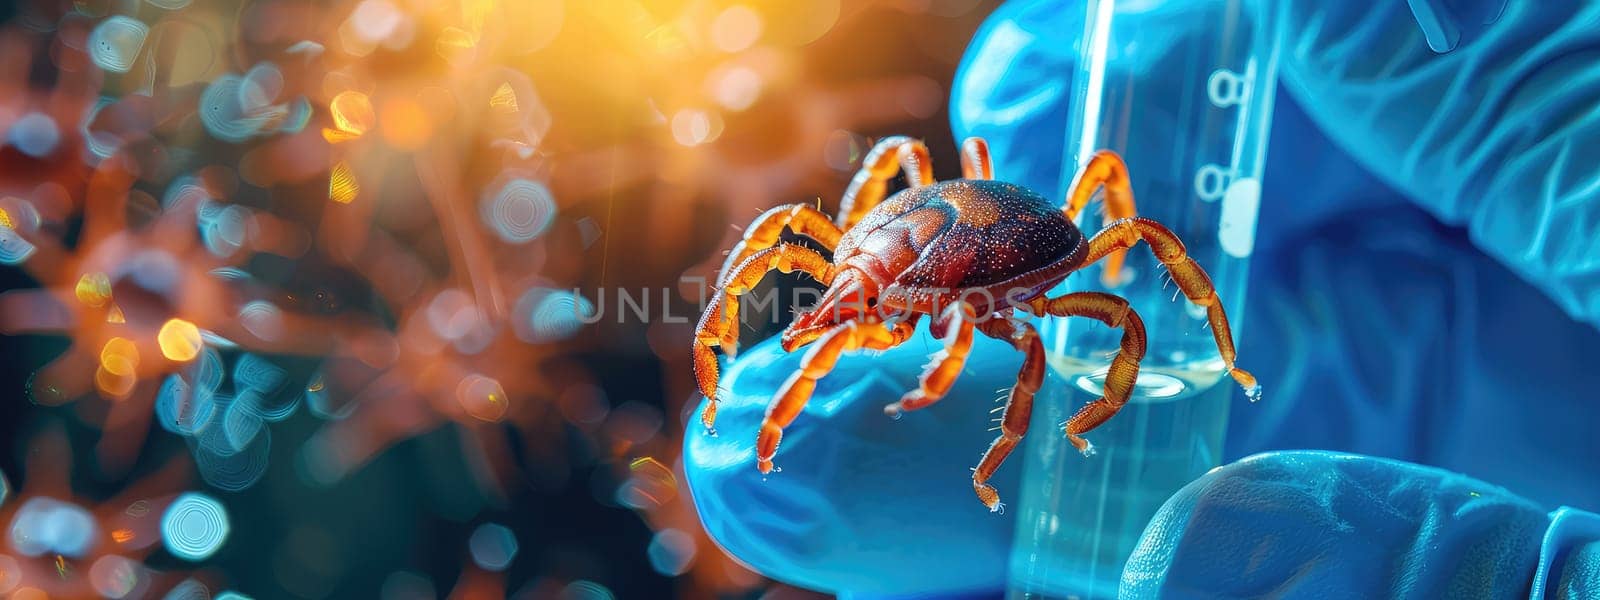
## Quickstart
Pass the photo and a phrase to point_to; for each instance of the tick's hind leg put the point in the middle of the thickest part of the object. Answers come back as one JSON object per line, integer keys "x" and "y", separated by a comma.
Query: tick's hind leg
{"x": 975, "y": 163}
{"x": 719, "y": 325}
{"x": 792, "y": 398}
{"x": 1104, "y": 169}
{"x": 1194, "y": 282}
{"x": 955, "y": 328}
{"x": 763, "y": 233}
{"x": 868, "y": 187}
{"x": 1019, "y": 406}
{"x": 1124, "y": 370}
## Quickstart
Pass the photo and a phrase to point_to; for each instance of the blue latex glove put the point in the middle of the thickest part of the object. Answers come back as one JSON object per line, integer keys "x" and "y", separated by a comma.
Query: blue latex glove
{"x": 1325, "y": 525}
{"x": 864, "y": 504}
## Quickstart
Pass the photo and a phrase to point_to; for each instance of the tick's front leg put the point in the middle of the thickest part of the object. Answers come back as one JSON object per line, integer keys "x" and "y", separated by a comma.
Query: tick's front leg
{"x": 819, "y": 361}
{"x": 719, "y": 326}
{"x": 955, "y": 328}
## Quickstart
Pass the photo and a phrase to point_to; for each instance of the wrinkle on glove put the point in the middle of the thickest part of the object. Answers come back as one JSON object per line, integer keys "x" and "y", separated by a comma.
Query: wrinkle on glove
{"x": 864, "y": 503}
{"x": 1500, "y": 135}
{"x": 1308, "y": 524}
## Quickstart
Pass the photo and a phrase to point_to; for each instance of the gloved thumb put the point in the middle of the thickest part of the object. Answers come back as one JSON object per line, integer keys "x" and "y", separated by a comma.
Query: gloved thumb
{"x": 1310, "y": 524}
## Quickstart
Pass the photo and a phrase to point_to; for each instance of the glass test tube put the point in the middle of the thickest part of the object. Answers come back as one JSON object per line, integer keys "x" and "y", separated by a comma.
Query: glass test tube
{"x": 1185, "y": 96}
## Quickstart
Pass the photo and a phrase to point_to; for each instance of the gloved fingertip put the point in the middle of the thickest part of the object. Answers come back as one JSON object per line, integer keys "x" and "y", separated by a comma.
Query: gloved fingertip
{"x": 1324, "y": 524}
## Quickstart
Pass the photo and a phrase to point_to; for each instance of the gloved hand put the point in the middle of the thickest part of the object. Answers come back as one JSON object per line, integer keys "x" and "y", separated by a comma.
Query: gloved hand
{"x": 1379, "y": 329}
{"x": 1311, "y": 524}
{"x": 863, "y": 504}
{"x": 1376, "y": 328}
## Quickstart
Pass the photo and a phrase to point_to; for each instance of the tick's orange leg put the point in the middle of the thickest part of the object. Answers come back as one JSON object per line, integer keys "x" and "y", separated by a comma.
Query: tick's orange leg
{"x": 791, "y": 399}
{"x": 1019, "y": 407}
{"x": 975, "y": 163}
{"x": 1124, "y": 371}
{"x": 1194, "y": 282}
{"x": 870, "y": 184}
{"x": 1104, "y": 169}
{"x": 955, "y": 328}
{"x": 719, "y": 326}
{"x": 763, "y": 233}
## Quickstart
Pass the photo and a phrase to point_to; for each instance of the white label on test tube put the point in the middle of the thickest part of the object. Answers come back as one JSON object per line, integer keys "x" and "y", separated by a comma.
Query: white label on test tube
{"x": 1237, "y": 232}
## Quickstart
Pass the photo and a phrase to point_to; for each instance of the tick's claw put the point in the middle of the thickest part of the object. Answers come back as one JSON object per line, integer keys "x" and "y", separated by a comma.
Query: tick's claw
{"x": 1252, "y": 389}
{"x": 987, "y": 495}
{"x": 1085, "y": 447}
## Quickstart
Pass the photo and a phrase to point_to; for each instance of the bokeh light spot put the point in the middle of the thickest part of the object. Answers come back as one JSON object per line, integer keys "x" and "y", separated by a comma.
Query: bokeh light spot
{"x": 735, "y": 88}
{"x": 482, "y": 397}
{"x": 549, "y": 315}
{"x": 352, "y": 116}
{"x": 736, "y": 28}
{"x": 519, "y": 211}
{"x": 194, "y": 526}
{"x": 46, "y": 525}
{"x": 584, "y": 589}
{"x": 456, "y": 46}
{"x": 114, "y": 576}
{"x": 693, "y": 127}
{"x": 224, "y": 114}
{"x": 189, "y": 589}
{"x": 342, "y": 185}
{"x": 262, "y": 319}
{"x": 650, "y": 484}
{"x": 120, "y": 356}
{"x": 34, "y": 134}
{"x": 493, "y": 546}
{"x": 230, "y": 469}
{"x": 93, "y": 289}
{"x": 504, "y": 100}
{"x": 179, "y": 340}
{"x": 13, "y": 249}
{"x": 672, "y": 552}
{"x": 115, "y": 43}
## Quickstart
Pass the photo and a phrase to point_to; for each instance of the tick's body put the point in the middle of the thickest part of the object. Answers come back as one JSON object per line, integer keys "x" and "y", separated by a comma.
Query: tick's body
{"x": 969, "y": 253}
{"x": 953, "y": 237}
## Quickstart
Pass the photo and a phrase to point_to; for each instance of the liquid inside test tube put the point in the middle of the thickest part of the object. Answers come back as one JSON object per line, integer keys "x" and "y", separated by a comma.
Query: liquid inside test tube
{"x": 1185, "y": 95}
